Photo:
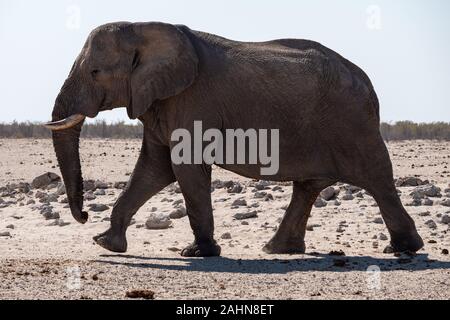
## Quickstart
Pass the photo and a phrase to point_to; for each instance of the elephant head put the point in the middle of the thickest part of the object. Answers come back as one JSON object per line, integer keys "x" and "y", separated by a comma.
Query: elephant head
{"x": 121, "y": 65}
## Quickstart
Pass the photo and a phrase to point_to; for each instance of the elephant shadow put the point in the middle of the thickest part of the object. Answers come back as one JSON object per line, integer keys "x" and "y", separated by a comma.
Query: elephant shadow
{"x": 308, "y": 262}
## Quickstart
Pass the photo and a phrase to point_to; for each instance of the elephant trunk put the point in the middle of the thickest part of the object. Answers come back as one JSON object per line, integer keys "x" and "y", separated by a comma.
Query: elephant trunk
{"x": 66, "y": 143}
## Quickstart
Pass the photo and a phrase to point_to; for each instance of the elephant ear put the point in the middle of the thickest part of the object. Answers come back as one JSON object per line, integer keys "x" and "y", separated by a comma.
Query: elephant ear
{"x": 164, "y": 65}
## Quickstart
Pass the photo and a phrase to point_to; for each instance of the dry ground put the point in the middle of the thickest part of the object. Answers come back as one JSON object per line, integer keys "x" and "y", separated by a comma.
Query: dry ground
{"x": 38, "y": 261}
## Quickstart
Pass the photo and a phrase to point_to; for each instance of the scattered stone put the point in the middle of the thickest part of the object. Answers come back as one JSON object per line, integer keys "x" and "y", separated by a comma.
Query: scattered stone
{"x": 383, "y": 237}
{"x": 44, "y": 180}
{"x": 241, "y": 202}
{"x": 157, "y": 222}
{"x": 424, "y": 214}
{"x": 428, "y": 190}
{"x": 431, "y": 224}
{"x": 389, "y": 249}
{"x": 409, "y": 182}
{"x": 140, "y": 294}
{"x": 336, "y": 253}
{"x": 226, "y": 236}
{"x": 89, "y": 196}
{"x": 120, "y": 185}
{"x": 178, "y": 213}
{"x": 59, "y": 223}
{"x": 98, "y": 207}
{"x": 60, "y": 189}
{"x": 445, "y": 219}
{"x": 348, "y": 197}
{"x": 260, "y": 194}
{"x": 445, "y": 202}
{"x": 174, "y": 249}
{"x": 236, "y": 187}
{"x": 178, "y": 202}
{"x": 444, "y": 251}
{"x": 244, "y": 223}
{"x": 262, "y": 185}
{"x": 320, "y": 203}
{"x": 100, "y": 192}
{"x": 5, "y": 234}
{"x": 378, "y": 220}
{"x": 100, "y": 185}
{"x": 88, "y": 185}
{"x": 337, "y": 203}
{"x": 245, "y": 215}
{"x": 50, "y": 215}
{"x": 328, "y": 194}
{"x": 427, "y": 202}
{"x": 30, "y": 202}
{"x": 351, "y": 189}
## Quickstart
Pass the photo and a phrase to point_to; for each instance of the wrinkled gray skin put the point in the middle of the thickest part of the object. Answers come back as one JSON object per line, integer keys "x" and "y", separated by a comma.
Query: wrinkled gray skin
{"x": 168, "y": 76}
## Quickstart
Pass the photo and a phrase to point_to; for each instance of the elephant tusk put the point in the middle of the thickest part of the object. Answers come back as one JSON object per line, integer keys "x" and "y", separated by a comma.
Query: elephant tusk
{"x": 65, "y": 123}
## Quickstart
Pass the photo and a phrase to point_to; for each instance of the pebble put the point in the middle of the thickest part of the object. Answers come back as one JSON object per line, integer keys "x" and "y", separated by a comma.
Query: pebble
{"x": 157, "y": 222}
{"x": 445, "y": 219}
{"x": 178, "y": 213}
{"x": 431, "y": 224}
{"x": 320, "y": 203}
{"x": 245, "y": 215}
{"x": 98, "y": 207}
{"x": 44, "y": 180}
{"x": 88, "y": 196}
{"x": 178, "y": 202}
{"x": 383, "y": 237}
{"x": 328, "y": 193}
{"x": 100, "y": 192}
{"x": 378, "y": 220}
{"x": 5, "y": 234}
{"x": 409, "y": 182}
{"x": 236, "y": 187}
{"x": 423, "y": 191}
{"x": 348, "y": 197}
{"x": 226, "y": 236}
{"x": 241, "y": 202}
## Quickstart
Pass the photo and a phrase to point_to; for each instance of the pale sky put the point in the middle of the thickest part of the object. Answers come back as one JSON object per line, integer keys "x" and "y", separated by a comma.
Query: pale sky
{"x": 403, "y": 45}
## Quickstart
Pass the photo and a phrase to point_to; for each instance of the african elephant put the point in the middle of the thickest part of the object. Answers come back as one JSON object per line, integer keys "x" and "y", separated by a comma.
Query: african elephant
{"x": 169, "y": 76}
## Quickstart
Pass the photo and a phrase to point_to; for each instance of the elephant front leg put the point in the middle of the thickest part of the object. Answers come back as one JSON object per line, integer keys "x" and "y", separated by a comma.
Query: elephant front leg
{"x": 195, "y": 184}
{"x": 290, "y": 235}
{"x": 153, "y": 172}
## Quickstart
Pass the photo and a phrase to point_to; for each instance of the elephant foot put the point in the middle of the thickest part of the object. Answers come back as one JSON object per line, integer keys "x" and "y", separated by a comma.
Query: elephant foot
{"x": 111, "y": 241}
{"x": 411, "y": 242}
{"x": 285, "y": 247}
{"x": 202, "y": 249}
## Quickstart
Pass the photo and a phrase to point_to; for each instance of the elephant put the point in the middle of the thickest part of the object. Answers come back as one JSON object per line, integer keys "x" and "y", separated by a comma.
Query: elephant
{"x": 169, "y": 76}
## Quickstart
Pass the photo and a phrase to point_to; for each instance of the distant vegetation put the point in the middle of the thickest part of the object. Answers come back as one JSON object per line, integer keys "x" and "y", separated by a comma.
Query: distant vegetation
{"x": 403, "y": 130}
{"x": 99, "y": 129}
{"x": 407, "y": 130}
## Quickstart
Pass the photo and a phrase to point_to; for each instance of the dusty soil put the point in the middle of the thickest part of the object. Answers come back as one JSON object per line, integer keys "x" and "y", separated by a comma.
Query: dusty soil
{"x": 39, "y": 260}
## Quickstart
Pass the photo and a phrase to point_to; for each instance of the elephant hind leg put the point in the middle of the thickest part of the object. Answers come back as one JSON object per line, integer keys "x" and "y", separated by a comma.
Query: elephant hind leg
{"x": 401, "y": 227}
{"x": 290, "y": 235}
{"x": 379, "y": 181}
